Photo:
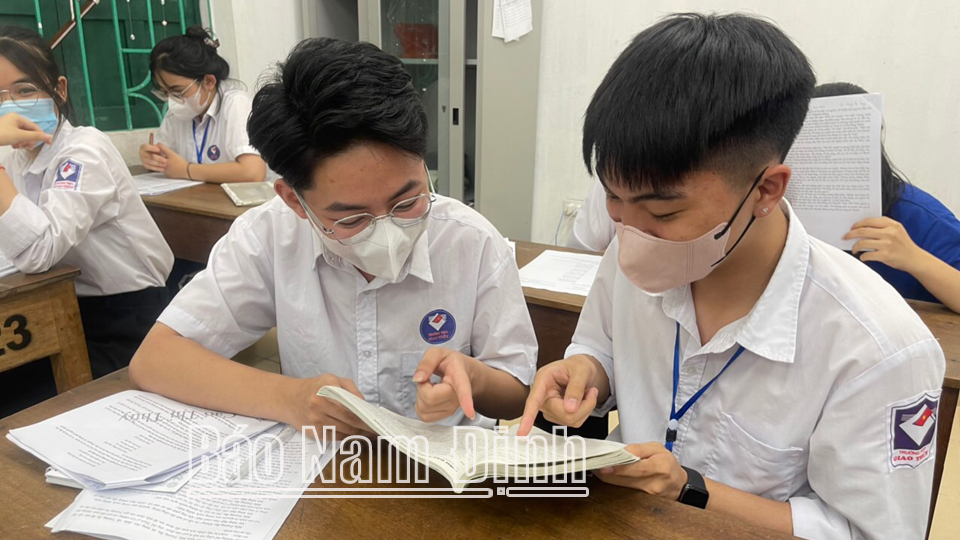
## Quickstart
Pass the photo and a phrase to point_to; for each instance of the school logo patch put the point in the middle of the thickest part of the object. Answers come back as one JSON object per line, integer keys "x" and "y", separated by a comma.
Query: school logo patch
{"x": 913, "y": 430}
{"x": 68, "y": 176}
{"x": 437, "y": 327}
{"x": 213, "y": 153}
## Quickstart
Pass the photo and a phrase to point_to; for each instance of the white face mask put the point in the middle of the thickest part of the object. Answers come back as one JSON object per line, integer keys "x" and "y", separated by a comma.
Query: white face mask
{"x": 383, "y": 254}
{"x": 189, "y": 108}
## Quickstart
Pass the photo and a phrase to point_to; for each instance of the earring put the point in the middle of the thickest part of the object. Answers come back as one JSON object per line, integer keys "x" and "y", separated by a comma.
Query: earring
{"x": 765, "y": 210}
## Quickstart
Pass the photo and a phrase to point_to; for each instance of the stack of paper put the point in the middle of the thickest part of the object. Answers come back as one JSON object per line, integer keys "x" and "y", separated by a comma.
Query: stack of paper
{"x": 560, "y": 271}
{"x": 158, "y": 184}
{"x": 208, "y": 506}
{"x": 133, "y": 438}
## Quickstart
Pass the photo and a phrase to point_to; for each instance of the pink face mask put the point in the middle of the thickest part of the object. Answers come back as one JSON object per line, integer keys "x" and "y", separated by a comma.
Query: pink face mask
{"x": 656, "y": 265}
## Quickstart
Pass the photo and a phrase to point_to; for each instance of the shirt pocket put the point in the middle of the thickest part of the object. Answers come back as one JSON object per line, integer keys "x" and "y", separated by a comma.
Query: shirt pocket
{"x": 741, "y": 461}
{"x": 406, "y": 388}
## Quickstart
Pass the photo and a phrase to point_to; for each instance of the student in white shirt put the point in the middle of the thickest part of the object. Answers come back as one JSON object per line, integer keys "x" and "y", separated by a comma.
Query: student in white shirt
{"x": 593, "y": 230}
{"x": 783, "y": 371}
{"x": 203, "y": 137}
{"x": 72, "y": 201}
{"x": 375, "y": 305}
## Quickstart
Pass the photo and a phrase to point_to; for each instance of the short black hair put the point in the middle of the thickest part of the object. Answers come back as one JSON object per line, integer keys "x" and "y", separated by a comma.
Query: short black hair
{"x": 328, "y": 96}
{"x": 192, "y": 55}
{"x": 697, "y": 92}
{"x": 29, "y": 53}
{"x": 892, "y": 180}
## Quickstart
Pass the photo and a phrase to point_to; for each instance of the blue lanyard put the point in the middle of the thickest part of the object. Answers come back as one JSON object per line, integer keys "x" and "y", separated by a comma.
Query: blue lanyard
{"x": 676, "y": 415}
{"x": 203, "y": 144}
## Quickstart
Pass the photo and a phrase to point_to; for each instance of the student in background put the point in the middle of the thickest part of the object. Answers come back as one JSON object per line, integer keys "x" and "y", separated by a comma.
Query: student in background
{"x": 915, "y": 244}
{"x": 758, "y": 372}
{"x": 72, "y": 201}
{"x": 373, "y": 283}
{"x": 204, "y": 134}
{"x": 593, "y": 229}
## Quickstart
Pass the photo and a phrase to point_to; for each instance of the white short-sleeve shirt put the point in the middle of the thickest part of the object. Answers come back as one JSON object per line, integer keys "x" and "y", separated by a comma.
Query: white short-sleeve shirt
{"x": 831, "y": 407}
{"x": 225, "y": 126}
{"x": 460, "y": 289}
{"x": 77, "y": 204}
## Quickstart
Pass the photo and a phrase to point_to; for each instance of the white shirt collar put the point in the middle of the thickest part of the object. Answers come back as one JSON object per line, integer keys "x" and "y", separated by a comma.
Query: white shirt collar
{"x": 211, "y": 111}
{"x": 418, "y": 265}
{"x": 770, "y": 329}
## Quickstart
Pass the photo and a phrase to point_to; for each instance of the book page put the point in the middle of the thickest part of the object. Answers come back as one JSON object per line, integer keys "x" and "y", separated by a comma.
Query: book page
{"x": 473, "y": 453}
{"x": 836, "y": 166}
{"x": 131, "y": 438}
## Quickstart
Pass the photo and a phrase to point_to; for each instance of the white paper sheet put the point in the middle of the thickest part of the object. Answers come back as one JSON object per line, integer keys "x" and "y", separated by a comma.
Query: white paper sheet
{"x": 158, "y": 184}
{"x": 561, "y": 272}
{"x": 512, "y": 19}
{"x": 169, "y": 485}
{"x": 131, "y": 438}
{"x": 836, "y": 166}
{"x": 230, "y": 515}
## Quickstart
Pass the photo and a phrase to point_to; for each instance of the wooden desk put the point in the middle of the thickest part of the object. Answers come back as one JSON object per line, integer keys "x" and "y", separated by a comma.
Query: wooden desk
{"x": 193, "y": 219}
{"x": 39, "y": 318}
{"x": 609, "y": 511}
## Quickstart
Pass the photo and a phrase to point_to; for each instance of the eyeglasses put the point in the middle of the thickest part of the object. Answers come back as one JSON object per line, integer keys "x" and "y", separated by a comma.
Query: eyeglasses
{"x": 354, "y": 229}
{"x": 25, "y": 94}
{"x": 164, "y": 95}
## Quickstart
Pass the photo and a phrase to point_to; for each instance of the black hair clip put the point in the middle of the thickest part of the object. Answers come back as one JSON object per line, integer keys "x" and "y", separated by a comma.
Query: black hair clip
{"x": 215, "y": 43}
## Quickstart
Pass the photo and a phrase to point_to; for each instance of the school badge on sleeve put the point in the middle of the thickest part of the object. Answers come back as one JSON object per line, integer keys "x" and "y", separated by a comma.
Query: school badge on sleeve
{"x": 437, "y": 327}
{"x": 913, "y": 430}
{"x": 68, "y": 176}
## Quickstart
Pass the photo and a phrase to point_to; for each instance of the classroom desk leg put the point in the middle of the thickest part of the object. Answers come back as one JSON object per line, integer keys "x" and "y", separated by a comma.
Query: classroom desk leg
{"x": 71, "y": 366}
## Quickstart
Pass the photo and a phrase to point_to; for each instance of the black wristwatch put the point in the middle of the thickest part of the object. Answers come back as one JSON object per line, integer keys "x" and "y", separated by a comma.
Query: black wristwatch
{"x": 695, "y": 492}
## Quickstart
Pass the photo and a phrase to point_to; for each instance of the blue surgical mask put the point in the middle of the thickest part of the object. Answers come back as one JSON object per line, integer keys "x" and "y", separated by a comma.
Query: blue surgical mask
{"x": 42, "y": 113}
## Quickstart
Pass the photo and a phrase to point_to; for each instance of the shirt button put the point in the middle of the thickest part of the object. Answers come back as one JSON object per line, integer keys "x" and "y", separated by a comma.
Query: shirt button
{"x": 366, "y": 354}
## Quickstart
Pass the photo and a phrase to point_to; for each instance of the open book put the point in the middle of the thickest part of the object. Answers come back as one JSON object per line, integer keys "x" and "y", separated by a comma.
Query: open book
{"x": 468, "y": 454}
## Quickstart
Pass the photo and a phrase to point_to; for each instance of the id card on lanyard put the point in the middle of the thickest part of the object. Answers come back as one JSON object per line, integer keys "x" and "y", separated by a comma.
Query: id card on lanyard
{"x": 203, "y": 144}
{"x": 675, "y": 415}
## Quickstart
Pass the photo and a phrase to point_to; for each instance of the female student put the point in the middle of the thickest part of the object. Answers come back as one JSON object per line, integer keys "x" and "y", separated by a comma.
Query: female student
{"x": 374, "y": 283}
{"x": 71, "y": 200}
{"x": 915, "y": 245}
{"x": 203, "y": 136}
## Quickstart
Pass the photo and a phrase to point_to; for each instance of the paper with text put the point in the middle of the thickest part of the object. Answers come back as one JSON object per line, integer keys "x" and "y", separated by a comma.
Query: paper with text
{"x": 512, "y": 19}
{"x": 135, "y": 515}
{"x": 836, "y": 166}
{"x": 560, "y": 271}
{"x": 132, "y": 438}
{"x": 158, "y": 184}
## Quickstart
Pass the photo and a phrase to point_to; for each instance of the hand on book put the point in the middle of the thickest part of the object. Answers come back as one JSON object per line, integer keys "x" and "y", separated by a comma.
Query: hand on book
{"x": 566, "y": 391}
{"x": 313, "y": 410}
{"x": 658, "y": 472}
{"x": 454, "y": 391}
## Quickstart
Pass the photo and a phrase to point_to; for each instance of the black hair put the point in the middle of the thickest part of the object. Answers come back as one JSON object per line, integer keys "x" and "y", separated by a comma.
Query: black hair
{"x": 192, "y": 55}
{"x": 697, "y": 92}
{"x": 26, "y": 50}
{"x": 891, "y": 179}
{"x": 328, "y": 96}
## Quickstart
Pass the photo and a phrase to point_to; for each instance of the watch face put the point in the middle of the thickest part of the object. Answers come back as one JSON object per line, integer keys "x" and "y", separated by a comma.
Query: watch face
{"x": 693, "y": 496}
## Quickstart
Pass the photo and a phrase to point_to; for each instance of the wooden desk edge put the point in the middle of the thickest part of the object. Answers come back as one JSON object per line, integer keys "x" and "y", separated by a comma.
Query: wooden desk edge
{"x": 20, "y": 283}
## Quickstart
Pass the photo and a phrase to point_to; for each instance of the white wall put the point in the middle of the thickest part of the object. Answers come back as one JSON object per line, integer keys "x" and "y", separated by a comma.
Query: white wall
{"x": 908, "y": 51}
{"x": 256, "y": 35}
